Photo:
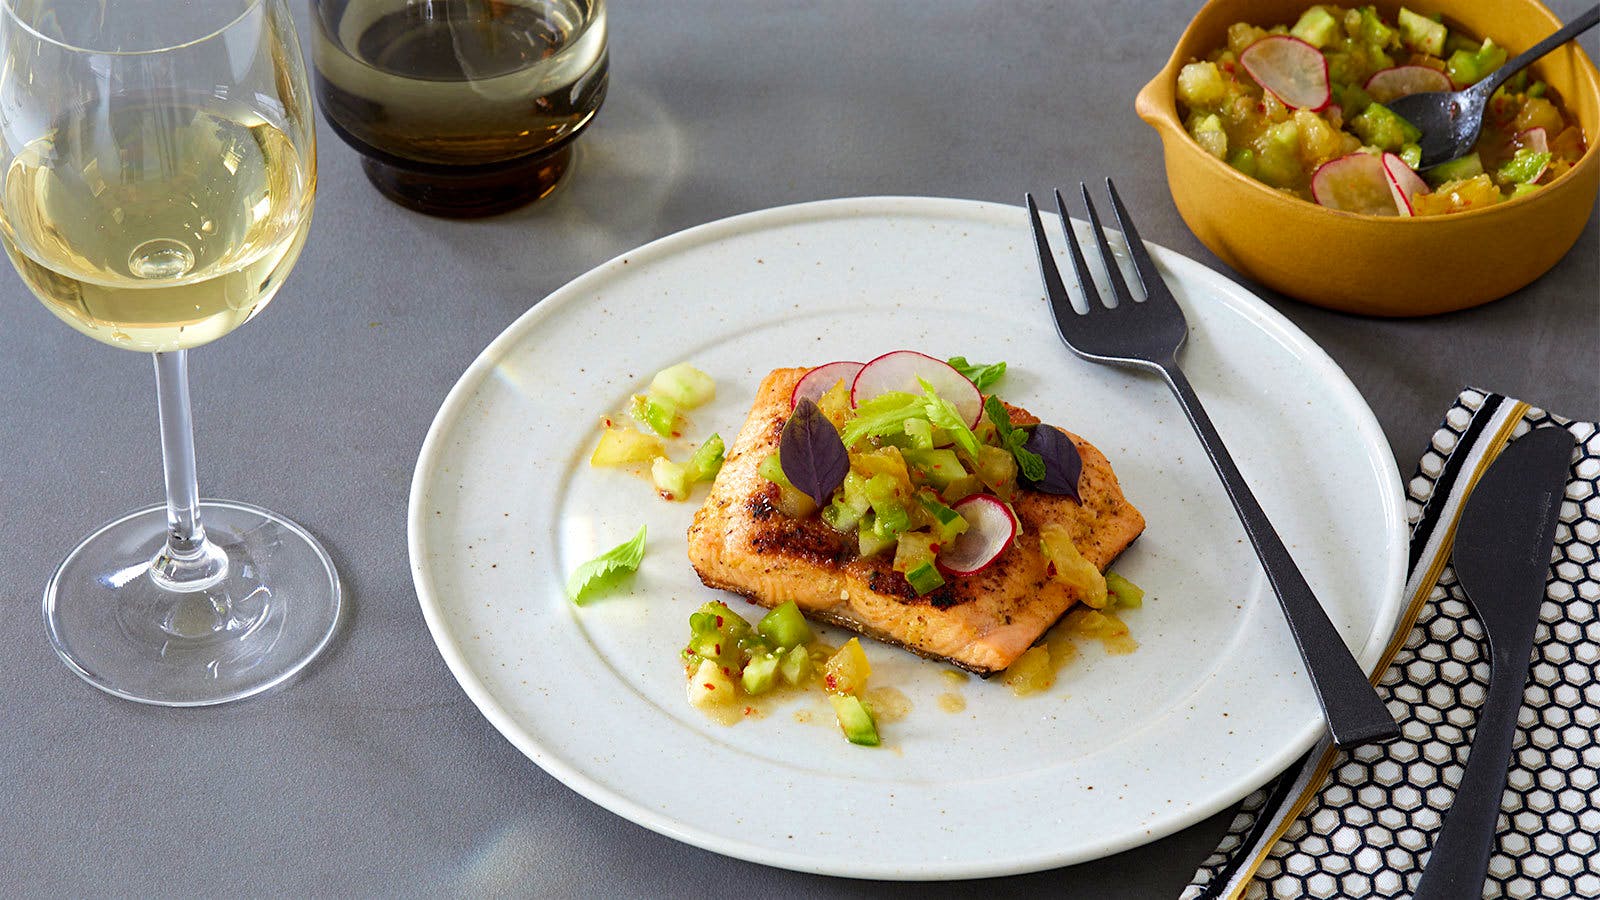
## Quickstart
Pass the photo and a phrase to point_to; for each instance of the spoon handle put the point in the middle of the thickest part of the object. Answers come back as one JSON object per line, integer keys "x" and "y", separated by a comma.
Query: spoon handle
{"x": 1519, "y": 62}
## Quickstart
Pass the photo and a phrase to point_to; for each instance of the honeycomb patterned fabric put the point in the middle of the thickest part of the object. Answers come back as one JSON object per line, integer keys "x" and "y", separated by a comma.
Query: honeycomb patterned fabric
{"x": 1360, "y": 823}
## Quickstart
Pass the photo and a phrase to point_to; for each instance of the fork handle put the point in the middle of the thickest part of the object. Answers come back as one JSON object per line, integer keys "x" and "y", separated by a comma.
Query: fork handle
{"x": 1355, "y": 713}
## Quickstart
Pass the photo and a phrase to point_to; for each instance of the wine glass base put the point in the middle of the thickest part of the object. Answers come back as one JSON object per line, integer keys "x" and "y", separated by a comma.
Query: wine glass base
{"x": 272, "y": 612}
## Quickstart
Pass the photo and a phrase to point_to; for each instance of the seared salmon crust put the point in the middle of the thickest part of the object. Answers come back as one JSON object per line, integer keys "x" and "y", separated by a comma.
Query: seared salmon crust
{"x": 741, "y": 542}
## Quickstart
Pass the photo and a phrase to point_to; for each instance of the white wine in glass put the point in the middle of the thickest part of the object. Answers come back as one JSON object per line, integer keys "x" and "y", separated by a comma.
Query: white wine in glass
{"x": 159, "y": 170}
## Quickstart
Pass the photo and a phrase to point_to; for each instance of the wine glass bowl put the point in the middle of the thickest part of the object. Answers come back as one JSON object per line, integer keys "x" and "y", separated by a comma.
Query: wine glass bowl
{"x": 159, "y": 168}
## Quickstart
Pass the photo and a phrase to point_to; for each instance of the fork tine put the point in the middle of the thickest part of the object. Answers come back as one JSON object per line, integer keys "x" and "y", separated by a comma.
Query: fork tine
{"x": 1060, "y": 301}
{"x": 1119, "y": 288}
{"x": 1080, "y": 268}
{"x": 1149, "y": 278}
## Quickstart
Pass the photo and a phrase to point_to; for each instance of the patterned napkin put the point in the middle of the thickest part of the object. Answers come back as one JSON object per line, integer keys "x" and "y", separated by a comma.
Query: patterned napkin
{"x": 1359, "y": 823}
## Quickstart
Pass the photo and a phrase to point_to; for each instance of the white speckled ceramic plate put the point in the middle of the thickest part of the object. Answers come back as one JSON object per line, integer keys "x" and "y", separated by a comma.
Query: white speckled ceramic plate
{"x": 1122, "y": 750}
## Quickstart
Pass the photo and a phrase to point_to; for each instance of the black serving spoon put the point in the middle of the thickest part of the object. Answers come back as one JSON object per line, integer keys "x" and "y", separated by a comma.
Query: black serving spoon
{"x": 1450, "y": 120}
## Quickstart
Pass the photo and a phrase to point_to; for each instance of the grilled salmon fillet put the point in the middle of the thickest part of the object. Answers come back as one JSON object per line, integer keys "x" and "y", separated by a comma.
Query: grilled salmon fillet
{"x": 741, "y": 542}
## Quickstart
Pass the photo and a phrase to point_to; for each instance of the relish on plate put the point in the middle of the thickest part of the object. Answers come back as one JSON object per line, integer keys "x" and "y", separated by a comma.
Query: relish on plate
{"x": 1301, "y": 108}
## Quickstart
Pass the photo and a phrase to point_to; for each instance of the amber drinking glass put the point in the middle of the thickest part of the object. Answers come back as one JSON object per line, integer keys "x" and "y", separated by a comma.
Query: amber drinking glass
{"x": 461, "y": 107}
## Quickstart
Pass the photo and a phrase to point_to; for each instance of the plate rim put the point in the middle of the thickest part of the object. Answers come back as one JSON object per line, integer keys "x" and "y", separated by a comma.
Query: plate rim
{"x": 624, "y": 806}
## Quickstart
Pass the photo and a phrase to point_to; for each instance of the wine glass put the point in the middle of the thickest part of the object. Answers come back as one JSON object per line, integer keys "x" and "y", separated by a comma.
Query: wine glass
{"x": 159, "y": 164}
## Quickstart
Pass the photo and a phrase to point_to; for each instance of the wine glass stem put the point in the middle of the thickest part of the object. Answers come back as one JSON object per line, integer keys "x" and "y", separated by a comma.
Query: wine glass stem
{"x": 190, "y": 561}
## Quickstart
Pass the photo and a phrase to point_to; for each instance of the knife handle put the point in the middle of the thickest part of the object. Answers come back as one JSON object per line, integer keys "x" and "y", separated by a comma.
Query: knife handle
{"x": 1460, "y": 857}
{"x": 1354, "y": 711}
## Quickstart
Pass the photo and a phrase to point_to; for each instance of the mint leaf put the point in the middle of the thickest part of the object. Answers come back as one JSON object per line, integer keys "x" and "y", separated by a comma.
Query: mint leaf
{"x": 624, "y": 557}
{"x": 1014, "y": 439}
{"x": 812, "y": 454}
{"x": 981, "y": 376}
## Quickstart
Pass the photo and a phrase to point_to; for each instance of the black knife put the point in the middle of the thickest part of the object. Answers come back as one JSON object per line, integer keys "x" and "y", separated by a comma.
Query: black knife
{"x": 1502, "y": 560}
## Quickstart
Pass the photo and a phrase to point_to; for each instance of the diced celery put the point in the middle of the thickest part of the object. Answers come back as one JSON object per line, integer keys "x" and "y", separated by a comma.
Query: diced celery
{"x": 855, "y": 720}
{"x": 1524, "y": 167}
{"x": 1421, "y": 34}
{"x": 708, "y": 686}
{"x": 684, "y": 385}
{"x": 870, "y": 542}
{"x": 1378, "y": 126}
{"x": 920, "y": 433}
{"x": 937, "y": 467}
{"x": 621, "y": 446}
{"x": 947, "y": 523}
{"x": 656, "y": 413}
{"x": 771, "y": 468}
{"x": 924, "y": 578}
{"x": 785, "y": 626}
{"x": 760, "y": 674}
{"x": 1123, "y": 592}
{"x": 1316, "y": 27}
{"x": 796, "y": 666}
{"x": 707, "y": 459}
{"x": 671, "y": 479}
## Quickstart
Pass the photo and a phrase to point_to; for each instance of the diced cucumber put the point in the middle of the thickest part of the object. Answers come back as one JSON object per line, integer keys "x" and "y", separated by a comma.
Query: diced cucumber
{"x": 937, "y": 467}
{"x": 855, "y": 720}
{"x": 707, "y": 459}
{"x": 684, "y": 385}
{"x": 709, "y": 687}
{"x": 656, "y": 413}
{"x": 671, "y": 479}
{"x": 1411, "y": 155}
{"x": 947, "y": 523}
{"x": 1537, "y": 89}
{"x": 1467, "y": 68}
{"x": 915, "y": 548}
{"x": 1244, "y": 160}
{"x": 760, "y": 674}
{"x": 960, "y": 489}
{"x": 1374, "y": 32}
{"x": 1421, "y": 34}
{"x": 771, "y": 468}
{"x": 791, "y": 502}
{"x": 621, "y": 446}
{"x": 846, "y": 511}
{"x": 891, "y": 521}
{"x": 1353, "y": 99}
{"x": 1316, "y": 27}
{"x": 924, "y": 577}
{"x": 840, "y": 517}
{"x": 1378, "y": 126}
{"x": 796, "y": 666}
{"x": 1468, "y": 166}
{"x": 1124, "y": 592}
{"x": 785, "y": 626}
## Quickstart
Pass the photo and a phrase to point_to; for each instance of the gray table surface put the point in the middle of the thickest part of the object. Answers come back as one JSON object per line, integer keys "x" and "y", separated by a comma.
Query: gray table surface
{"x": 372, "y": 774}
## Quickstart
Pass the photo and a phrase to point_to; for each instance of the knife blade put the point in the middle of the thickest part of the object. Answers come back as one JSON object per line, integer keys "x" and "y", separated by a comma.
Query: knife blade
{"x": 1502, "y": 561}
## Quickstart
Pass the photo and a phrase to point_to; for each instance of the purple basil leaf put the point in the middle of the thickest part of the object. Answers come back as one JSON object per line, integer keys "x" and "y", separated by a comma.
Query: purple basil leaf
{"x": 811, "y": 453}
{"x": 1062, "y": 464}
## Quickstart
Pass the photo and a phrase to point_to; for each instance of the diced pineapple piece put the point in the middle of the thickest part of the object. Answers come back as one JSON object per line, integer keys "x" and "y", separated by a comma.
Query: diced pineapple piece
{"x": 1207, "y": 131}
{"x": 1069, "y": 567}
{"x": 621, "y": 446}
{"x": 1201, "y": 85}
{"x": 1031, "y": 673}
{"x": 1538, "y": 112}
{"x": 847, "y": 671}
{"x": 708, "y": 686}
{"x": 1454, "y": 196}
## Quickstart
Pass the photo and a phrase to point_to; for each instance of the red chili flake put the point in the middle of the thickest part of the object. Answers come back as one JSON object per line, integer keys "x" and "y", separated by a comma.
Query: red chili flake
{"x": 719, "y": 625}
{"x": 607, "y": 420}
{"x": 933, "y": 548}
{"x": 727, "y": 671}
{"x": 717, "y": 648}
{"x": 831, "y": 681}
{"x": 1261, "y": 107}
{"x": 677, "y": 434}
{"x": 1051, "y": 569}
{"x": 710, "y": 687}
{"x": 749, "y": 710}
{"x": 1227, "y": 67}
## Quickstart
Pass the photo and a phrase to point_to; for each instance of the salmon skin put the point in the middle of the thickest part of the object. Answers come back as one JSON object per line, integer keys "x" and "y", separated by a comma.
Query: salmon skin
{"x": 741, "y": 542}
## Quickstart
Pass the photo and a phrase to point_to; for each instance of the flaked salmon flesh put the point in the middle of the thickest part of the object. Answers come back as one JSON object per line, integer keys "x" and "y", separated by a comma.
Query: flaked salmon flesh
{"x": 741, "y": 542}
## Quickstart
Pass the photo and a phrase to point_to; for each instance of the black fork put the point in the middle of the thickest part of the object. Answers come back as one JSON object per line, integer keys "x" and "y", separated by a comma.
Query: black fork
{"x": 1146, "y": 335}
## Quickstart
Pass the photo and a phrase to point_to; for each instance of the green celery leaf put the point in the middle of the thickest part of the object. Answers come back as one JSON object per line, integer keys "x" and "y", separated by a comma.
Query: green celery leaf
{"x": 941, "y": 413}
{"x": 883, "y": 415}
{"x": 624, "y": 557}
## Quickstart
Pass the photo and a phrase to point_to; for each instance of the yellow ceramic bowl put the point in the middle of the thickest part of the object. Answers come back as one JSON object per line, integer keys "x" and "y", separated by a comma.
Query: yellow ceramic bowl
{"x": 1378, "y": 265}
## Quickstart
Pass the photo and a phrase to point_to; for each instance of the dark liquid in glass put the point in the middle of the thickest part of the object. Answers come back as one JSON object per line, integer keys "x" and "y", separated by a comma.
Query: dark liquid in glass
{"x": 461, "y": 107}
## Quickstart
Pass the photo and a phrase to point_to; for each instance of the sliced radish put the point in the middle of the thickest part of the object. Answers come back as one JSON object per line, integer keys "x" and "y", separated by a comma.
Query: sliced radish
{"x": 990, "y": 530}
{"x": 1355, "y": 183}
{"x": 900, "y": 371}
{"x": 1293, "y": 70}
{"x": 821, "y": 380}
{"x": 1401, "y": 81}
{"x": 1535, "y": 139}
{"x": 1404, "y": 183}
